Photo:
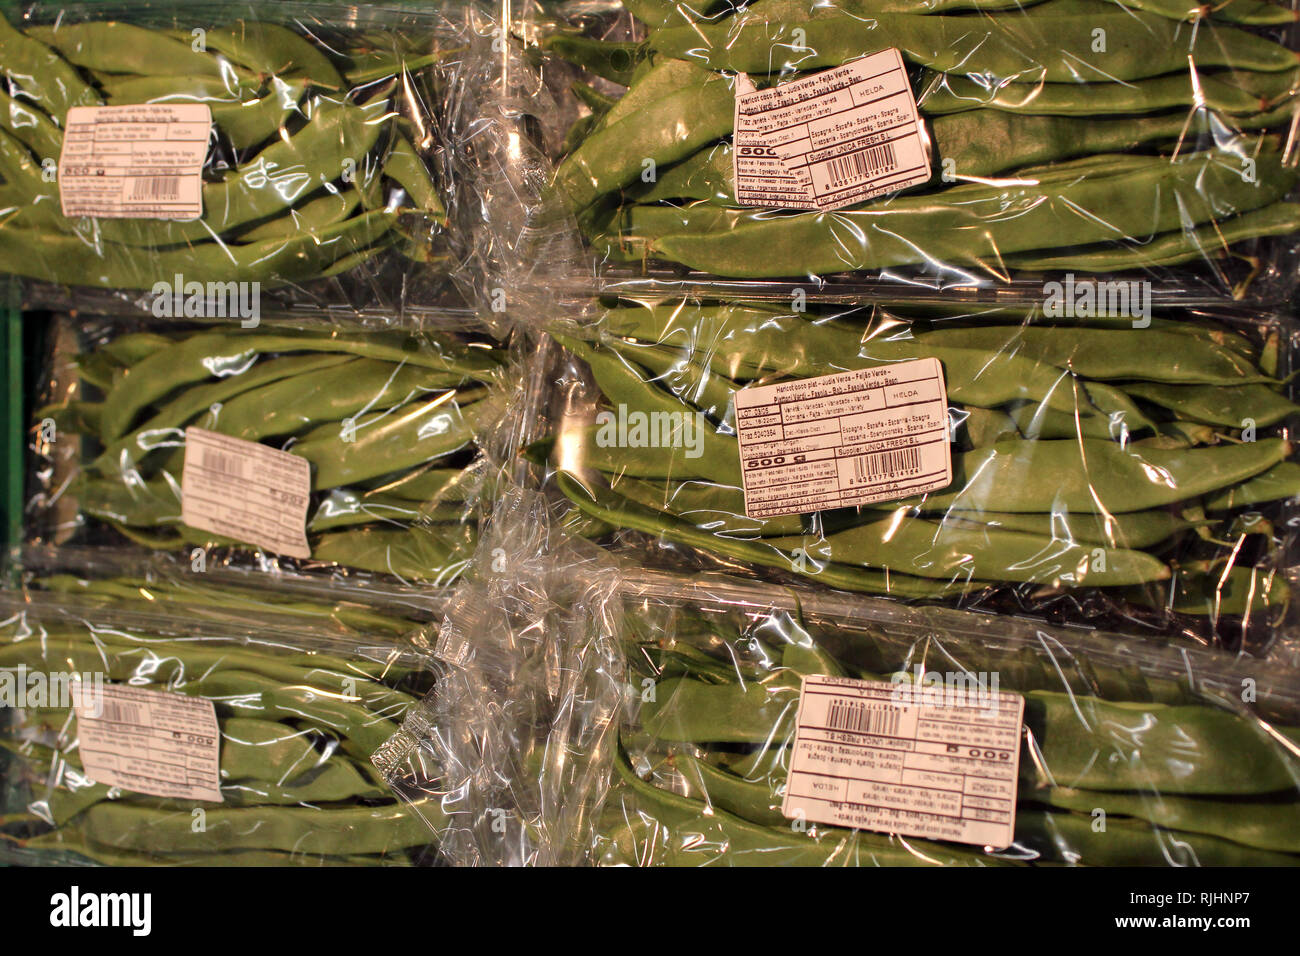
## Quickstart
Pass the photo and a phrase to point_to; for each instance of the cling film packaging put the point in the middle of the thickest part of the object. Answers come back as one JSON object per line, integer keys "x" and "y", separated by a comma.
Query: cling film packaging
{"x": 526, "y": 677}
{"x": 1124, "y": 759}
{"x": 1058, "y": 137}
{"x": 658, "y": 723}
{"x": 290, "y": 702}
{"x": 322, "y": 183}
{"x": 304, "y": 449}
{"x": 1134, "y": 475}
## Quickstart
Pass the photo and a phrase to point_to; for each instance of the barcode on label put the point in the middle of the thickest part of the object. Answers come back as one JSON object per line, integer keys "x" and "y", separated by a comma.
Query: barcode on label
{"x": 156, "y": 187}
{"x": 225, "y": 464}
{"x": 854, "y": 167}
{"x": 862, "y": 718}
{"x": 900, "y": 461}
{"x": 121, "y": 712}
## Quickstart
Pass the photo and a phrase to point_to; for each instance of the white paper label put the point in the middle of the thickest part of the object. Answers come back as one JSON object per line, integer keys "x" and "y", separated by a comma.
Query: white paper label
{"x": 761, "y": 177}
{"x": 151, "y": 741}
{"x": 934, "y": 762}
{"x": 829, "y": 140}
{"x": 846, "y": 439}
{"x": 134, "y": 162}
{"x": 246, "y": 491}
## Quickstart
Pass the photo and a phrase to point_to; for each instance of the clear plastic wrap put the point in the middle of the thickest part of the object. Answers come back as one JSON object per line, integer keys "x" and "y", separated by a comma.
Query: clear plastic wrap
{"x": 1128, "y": 757}
{"x": 1129, "y": 754}
{"x": 375, "y": 609}
{"x": 1136, "y": 476}
{"x": 326, "y": 180}
{"x": 523, "y": 255}
{"x": 1078, "y": 137}
{"x": 518, "y": 730}
{"x": 300, "y": 700}
{"x": 388, "y": 422}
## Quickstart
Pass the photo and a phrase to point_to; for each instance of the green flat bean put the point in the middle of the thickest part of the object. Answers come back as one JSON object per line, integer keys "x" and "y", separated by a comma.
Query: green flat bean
{"x": 31, "y": 127}
{"x": 1266, "y": 826}
{"x": 974, "y": 228}
{"x": 948, "y": 93}
{"x": 1217, "y": 404}
{"x": 269, "y": 49}
{"x": 336, "y": 133}
{"x": 1069, "y": 838}
{"x": 975, "y": 144}
{"x": 389, "y": 442}
{"x": 270, "y": 262}
{"x": 406, "y": 168}
{"x": 1137, "y": 529}
{"x": 110, "y": 856}
{"x": 1171, "y": 248}
{"x": 290, "y": 405}
{"x": 222, "y": 353}
{"x": 948, "y": 550}
{"x": 299, "y": 830}
{"x": 1109, "y": 354}
{"x": 427, "y": 484}
{"x": 700, "y": 834}
{"x": 111, "y": 46}
{"x": 247, "y": 121}
{"x": 717, "y": 456}
{"x": 162, "y": 429}
{"x": 1255, "y": 12}
{"x": 1080, "y": 742}
{"x": 1052, "y": 48}
{"x": 343, "y": 508}
{"x": 1095, "y": 476}
{"x": 613, "y": 61}
{"x": 661, "y": 78}
{"x": 614, "y": 155}
{"x": 1279, "y": 482}
{"x": 435, "y": 554}
{"x": 44, "y": 76}
{"x": 604, "y": 507}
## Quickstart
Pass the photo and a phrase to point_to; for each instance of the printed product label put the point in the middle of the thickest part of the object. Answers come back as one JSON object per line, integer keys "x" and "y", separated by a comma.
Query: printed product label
{"x": 246, "y": 491}
{"x": 134, "y": 162}
{"x": 913, "y": 760}
{"x": 829, "y": 140}
{"x": 841, "y": 440}
{"x": 761, "y": 178}
{"x": 154, "y": 742}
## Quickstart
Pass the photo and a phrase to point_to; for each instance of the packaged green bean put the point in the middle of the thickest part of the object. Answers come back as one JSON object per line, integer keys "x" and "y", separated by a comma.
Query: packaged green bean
{"x": 179, "y": 732}
{"x": 211, "y": 159}
{"x": 1137, "y": 477}
{"x": 845, "y": 148}
{"x": 702, "y": 720}
{"x": 296, "y": 450}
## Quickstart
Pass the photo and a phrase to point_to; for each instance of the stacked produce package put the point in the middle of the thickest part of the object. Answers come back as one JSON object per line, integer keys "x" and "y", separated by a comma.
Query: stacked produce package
{"x": 908, "y": 144}
{"x": 307, "y": 155}
{"x": 1136, "y": 478}
{"x": 704, "y": 720}
{"x": 202, "y": 726}
{"x": 794, "y": 432}
{"x": 920, "y": 457}
{"x": 370, "y": 439}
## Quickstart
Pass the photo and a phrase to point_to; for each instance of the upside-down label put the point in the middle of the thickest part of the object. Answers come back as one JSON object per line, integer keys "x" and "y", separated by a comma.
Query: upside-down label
{"x": 151, "y": 741}
{"x": 836, "y": 441}
{"x": 134, "y": 162}
{"x": 935, "y": 761}
{"x": 246, "y": 491}
{"x": 831, "y": 139}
